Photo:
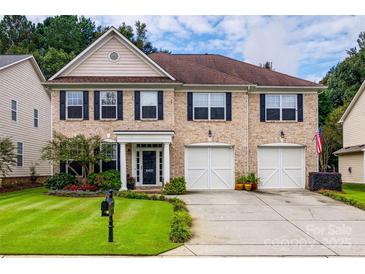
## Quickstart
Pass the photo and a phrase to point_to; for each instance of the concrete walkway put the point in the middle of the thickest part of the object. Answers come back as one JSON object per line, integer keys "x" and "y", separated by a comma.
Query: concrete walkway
{"x": 272, "y": 223}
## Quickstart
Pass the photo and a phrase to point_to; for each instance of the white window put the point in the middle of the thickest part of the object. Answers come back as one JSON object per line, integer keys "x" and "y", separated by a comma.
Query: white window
{"x": 35, "y": 117}
{"x": 111, "y": 151}
{"x": 281, "y": 107}
{"x": 74, "y": 104}
{"x": 149, "y": 105}
{"x": 108, "y": 104}
{"x": 14, "y": 110}
{"x": 19, "y": 154}
{"x": 209, "y": 106}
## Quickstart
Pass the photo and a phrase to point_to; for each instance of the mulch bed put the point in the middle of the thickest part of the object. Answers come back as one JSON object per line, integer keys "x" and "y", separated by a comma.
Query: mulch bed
{"x": 16, "y": 187}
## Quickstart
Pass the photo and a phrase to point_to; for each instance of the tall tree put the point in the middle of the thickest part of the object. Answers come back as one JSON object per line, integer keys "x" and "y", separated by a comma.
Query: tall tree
{"x": 16, "y": 34}
{"x": 7, "y": 157}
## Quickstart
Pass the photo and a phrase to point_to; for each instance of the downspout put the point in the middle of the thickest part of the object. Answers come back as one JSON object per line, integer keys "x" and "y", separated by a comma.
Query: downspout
{"x": 247, "y": 111}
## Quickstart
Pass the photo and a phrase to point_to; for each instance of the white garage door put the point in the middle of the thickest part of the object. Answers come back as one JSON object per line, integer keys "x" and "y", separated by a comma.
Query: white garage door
{"x": 209, "y": 167}
{"x": 281, "y": 167}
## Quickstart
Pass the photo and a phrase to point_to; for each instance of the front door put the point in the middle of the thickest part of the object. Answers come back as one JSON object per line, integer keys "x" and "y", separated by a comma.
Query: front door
{"x": 149, "y": 167}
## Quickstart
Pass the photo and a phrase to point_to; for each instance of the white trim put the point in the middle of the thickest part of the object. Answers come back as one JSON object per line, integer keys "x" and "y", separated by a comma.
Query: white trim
{"x": 14, "y": 110}
{"x": 17, "y": 154}
{"x": 82, "y": 104}
{"x": 123, "y": 166}
{"x": 141, "y": 105}
{"x": 352, "y": 103}
{"x": 210, "y": 144}
{"x": 120, "y": 36}
{"x": 281, "y": 107}
{"x": 101, "y": 105}
{"x": 209, "y": 106}
{"x": 281, "y": 145}
{"x": 144, "y": 137}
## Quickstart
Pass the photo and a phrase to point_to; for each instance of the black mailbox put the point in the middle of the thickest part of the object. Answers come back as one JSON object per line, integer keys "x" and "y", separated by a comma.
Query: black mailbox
{"x": 104, "y": 208}
{"x": 107, "y": 209}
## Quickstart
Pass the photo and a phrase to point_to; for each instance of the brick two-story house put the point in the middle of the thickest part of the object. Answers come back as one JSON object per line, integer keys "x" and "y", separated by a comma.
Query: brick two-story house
{"x": 202, "y": 116}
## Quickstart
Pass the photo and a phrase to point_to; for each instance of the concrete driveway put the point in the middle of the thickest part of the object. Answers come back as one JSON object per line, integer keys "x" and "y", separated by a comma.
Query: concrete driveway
{"x": 272, "y": 223}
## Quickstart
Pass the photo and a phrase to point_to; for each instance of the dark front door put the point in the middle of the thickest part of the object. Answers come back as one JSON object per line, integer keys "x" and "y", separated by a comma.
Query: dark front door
{"x": 149, "y": 167}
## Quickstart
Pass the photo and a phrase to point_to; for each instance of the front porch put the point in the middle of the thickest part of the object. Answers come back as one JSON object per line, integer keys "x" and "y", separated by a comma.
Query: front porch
{"x": 144, "y": 155}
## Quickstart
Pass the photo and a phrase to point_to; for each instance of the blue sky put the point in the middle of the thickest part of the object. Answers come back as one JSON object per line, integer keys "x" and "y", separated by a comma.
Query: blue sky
{"x": 304, "y": 46}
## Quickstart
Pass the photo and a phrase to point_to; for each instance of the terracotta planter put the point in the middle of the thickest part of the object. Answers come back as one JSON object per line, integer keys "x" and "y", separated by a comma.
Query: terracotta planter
{"x": 254, "y": 186}
{"x": 238, "y": 186}
{"x": 248, "y": 187}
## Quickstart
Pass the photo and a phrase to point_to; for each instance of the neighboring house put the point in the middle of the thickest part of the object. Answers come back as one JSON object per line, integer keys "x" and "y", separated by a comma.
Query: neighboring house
{"x": 25, "y": 113}
{"x": 351, "y": 162}
{"x": 202, "y": 116}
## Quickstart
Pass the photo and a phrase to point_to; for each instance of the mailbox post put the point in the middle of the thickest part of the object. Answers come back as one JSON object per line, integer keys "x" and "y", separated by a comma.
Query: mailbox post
{"x": 107, "y": 209}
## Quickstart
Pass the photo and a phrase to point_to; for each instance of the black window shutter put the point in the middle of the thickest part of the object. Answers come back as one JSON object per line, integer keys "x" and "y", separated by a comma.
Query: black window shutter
{"x": 118, "y": 157}
{"x": 96, "y": 105}
{"x": 190, "y": 106}
{"x": 262, "y": 107}
{"x": 137, "y": 105}
{"x": 160, "y": 104}
{"x": 97, "y": 163}
{"x": 86, "y": 105}
{"x": 228, "y": 106}
{"x": 300, "y": 107}
{"x": 62, "y": 105}
{"x": 62, "y": 167}
{"x": 120, "y": 105}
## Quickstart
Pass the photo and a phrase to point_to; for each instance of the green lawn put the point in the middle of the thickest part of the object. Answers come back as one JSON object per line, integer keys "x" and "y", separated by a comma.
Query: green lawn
{"x": 34, "y": 223}
{"x": 353, "y": 194}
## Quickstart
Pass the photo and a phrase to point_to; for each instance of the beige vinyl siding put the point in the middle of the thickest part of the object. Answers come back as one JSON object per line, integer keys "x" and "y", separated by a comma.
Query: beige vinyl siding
{"x": 356, "y": 162}
{"x": 21, "y": 83}
{"x": 354, "y": 124}
{"x": 99, "y": 64}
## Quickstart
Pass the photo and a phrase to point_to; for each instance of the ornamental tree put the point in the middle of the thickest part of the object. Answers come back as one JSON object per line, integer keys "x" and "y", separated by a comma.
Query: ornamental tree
{"x": 85, "y": 150}
{"x": 7, "y": 156}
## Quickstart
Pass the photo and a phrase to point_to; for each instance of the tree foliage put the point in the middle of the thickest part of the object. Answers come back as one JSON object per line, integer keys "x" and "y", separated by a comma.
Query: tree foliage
{"x": 58, "y": 39}
{"x": 343, "y": 81}
{"x": 86, "y": 150}
{"x": 7, "y": 156}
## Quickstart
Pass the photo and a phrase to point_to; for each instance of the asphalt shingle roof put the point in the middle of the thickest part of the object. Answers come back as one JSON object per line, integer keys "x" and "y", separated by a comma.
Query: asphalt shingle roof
{"x": 9, "y": 59}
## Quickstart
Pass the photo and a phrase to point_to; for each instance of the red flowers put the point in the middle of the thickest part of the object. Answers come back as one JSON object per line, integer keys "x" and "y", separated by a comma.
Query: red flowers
{"x": 83, "y": 187}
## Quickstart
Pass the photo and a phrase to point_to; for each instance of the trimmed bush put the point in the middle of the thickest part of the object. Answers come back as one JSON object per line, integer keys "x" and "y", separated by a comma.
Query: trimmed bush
{"x": 182, "y": 218}
{"x": 325, "y": 180}
{"x": 178, "y": 204}
{"x": 106, "y": 180}
{"x": 180, "y": 233}
{"x": 176, "y": 186}
{"x": 59, "y": 181}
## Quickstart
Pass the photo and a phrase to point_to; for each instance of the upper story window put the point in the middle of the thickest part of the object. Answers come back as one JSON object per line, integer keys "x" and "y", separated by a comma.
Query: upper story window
{"x": 209, "y": 106}
{"x": 149, "y": 105}
{"x": 74, "y": 104}
{"x": 108, "y": 104}
{"x": 35, "y": 117}
{"x": 19, "y": 153}
{"x": 281, "y": 107}
{"x": 14, "y": 110}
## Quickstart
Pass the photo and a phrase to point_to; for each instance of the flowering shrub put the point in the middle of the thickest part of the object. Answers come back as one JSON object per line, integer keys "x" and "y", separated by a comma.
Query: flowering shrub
{"x": 83, "y": 187}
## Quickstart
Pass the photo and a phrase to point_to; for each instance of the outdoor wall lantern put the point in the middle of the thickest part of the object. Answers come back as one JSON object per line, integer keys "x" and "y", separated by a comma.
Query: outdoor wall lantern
{"x": 282, "y": 135}
{"x": 107, "y": 209}
{"x": 210, "y": 134}
{"x": 350, "y": 169}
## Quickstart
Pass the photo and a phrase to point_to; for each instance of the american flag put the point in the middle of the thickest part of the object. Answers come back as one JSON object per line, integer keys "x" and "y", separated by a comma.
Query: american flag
{"x": 319, "y": 141}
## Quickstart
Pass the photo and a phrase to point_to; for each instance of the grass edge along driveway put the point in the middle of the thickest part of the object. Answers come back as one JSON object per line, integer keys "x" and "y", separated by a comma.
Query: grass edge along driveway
{"x": 352, "y": 194}
{"x": 34, "y": 223}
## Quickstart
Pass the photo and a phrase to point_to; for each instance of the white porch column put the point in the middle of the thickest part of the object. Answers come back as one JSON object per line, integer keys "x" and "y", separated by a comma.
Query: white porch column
{"x": 166, "y": 162}
{"x": 123, "y": 167}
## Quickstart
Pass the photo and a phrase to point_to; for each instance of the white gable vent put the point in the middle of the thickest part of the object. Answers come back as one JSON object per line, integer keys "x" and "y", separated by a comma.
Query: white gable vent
{"x": 114, "y": 56}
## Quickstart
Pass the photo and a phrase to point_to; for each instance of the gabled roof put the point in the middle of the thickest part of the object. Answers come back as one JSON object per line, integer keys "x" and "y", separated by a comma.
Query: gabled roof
{"x": 350, "y": 149}
{"x": 90, "y": 48}
{"x": 9, "y": 60}
{"x": 218, "y": 69}
{"x": 352, "y": 103}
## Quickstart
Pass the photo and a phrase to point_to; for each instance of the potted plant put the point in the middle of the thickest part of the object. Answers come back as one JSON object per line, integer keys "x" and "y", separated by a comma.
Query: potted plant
{"x": 131, "y": 183}
{"x": 240, "y": 180}
{"x": 254, "y": 180}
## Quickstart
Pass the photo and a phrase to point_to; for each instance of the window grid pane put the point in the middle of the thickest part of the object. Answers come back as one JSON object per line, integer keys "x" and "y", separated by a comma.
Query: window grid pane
{"x": 217, "y": 100}
{"x": 200, "y": 99}
{"x": 19, "y": 152}
{"x": 273, "y": 101}
{"x": 108, "y": 98}
{"x": 288, "y": 101}
{"x": 74, "y": 98}
{"x": 149, "y": 98}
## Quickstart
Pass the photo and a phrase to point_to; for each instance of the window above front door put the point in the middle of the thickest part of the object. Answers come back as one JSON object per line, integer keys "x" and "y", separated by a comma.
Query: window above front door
{"x": 149, "y": 105}
{"x": 108, "y": 104}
